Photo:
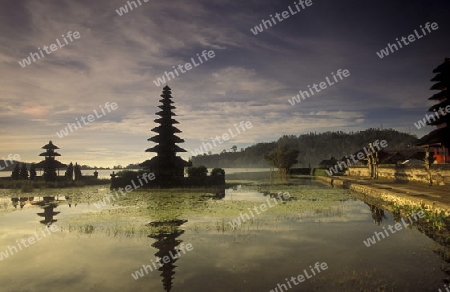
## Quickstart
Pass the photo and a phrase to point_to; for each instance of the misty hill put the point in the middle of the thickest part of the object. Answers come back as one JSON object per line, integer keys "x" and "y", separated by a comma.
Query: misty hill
{"x": 313, "y": 148}
{"x": 8, "y": 163}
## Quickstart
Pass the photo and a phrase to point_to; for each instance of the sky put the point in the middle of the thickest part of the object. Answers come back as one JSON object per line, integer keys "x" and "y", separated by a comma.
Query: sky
{"x": 116, "y": 59}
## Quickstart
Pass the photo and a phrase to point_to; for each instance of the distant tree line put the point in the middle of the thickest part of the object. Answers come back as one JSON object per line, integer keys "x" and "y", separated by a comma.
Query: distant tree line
{"x": 312, "y": 148}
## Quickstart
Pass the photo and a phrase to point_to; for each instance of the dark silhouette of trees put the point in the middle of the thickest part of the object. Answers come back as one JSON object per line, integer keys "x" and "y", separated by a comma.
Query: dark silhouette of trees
{"x": 16, "y": 172}
{"x": 218, "y": 176}
{"x": 199, "y": 172}
{"x": 77, "y": 172}
{"x": 23, "y": 172}
{"x": 217, "y": 171}
{"x": 69, "y": 172}
{"x": 33, "y": 174}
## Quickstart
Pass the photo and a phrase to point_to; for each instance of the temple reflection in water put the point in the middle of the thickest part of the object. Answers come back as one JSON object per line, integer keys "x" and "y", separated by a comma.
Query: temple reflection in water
{"x": 166, "y": 234}
{"x": 48, "y": 204}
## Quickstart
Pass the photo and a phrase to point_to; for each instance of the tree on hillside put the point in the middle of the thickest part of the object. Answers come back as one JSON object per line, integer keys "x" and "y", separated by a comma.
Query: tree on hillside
{"x": 282, "y": 158}
{"x": 234, "y": 148}
{"x": 313, "y": 147}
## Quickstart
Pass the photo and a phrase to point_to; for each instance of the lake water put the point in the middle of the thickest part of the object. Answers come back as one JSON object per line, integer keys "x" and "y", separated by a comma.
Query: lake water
{"x": 102, "y": 249}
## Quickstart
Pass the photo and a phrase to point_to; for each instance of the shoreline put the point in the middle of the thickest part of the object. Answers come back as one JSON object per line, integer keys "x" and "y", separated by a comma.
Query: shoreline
{"x": 389, "y": 192}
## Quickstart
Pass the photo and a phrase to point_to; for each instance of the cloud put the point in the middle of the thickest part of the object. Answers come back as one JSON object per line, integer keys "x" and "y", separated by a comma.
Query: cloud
{"x": 250, "y": 78}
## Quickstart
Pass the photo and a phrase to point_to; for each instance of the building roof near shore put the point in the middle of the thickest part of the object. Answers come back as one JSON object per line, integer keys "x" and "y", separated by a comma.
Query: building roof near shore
{"x": 393, "y": 157}
{"x": 328, "y": 162}
{"x": 436, "y": 138}
{"x": 381, "y": 154}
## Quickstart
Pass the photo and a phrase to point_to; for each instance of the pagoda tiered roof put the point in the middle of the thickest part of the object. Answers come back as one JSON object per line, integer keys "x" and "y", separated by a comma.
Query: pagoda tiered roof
{"x": 159, "y": 148}
{"x": 166, "y": 163}
{"x": 159, "y": 139}
{"x": 437, "y": 113}
{"x": 48, "y": 153}
{"x": 440, "y": 95}
{"x": 50, "y": 146}
{"x": 56, "y": 164}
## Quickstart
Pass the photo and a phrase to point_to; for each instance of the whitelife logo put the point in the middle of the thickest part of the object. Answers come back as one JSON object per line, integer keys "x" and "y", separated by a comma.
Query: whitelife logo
{"x": 380, "y": 235}
{"x": 411, "y": 38}
{"x": 11, "y": 250}
{"x": 323, "y": 85}
{"x": 319, "y": 267}
{"x": 90, "y": 118}
{"x": 35, "y": 56}
{"x": 263, "y": 207}
{"x": 184, "y": 68}
{"x": 11, "y": 159}
{"x": 360, "y": 155}
{"x": 285, "y": 14}
{"x": 204, "y": 148}
{"x": 124, "y": 9}
{"x": 435, "y": 117}
{"x": 166, "y": 259}
{"x": 128, "y": 188}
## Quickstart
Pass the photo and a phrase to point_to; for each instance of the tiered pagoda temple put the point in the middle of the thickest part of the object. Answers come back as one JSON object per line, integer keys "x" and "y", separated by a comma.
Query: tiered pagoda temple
{"x": 166, "y": 165}
{"x": 439, "y": 139}
{"x": 50, "y": 165}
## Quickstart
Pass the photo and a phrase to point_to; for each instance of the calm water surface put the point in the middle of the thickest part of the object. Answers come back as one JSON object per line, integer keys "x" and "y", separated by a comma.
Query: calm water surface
{"x": 99, "y": 249}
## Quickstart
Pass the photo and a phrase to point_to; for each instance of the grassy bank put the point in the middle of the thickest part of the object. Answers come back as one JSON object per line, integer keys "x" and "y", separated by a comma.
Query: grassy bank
{"x": 29, "y": 185}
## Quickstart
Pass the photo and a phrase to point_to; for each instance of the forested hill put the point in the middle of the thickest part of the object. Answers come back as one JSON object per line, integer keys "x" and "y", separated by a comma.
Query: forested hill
{"x": 313, "y": 148}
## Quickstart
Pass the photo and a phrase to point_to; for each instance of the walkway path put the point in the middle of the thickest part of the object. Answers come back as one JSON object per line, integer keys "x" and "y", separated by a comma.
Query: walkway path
{"x": 437, "y": 197}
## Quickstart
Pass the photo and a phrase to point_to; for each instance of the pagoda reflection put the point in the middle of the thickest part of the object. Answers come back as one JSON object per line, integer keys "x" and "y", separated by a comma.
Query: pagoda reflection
{"x": 48, "y": 203}
{"x": 21, "y": 201}
{"x": 71, "y": 200}
{"x": 166, "y": 233}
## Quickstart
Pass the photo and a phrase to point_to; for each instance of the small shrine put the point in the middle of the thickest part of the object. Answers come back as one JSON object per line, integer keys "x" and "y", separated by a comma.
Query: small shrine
{"x": 50, "y": 165}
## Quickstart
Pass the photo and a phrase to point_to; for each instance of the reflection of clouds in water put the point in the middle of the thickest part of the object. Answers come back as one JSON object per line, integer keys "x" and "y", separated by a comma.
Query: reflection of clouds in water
{"x": 240, "y": 194}
{"x": 349, "y": 211}
{"x": 377, "y": 214}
